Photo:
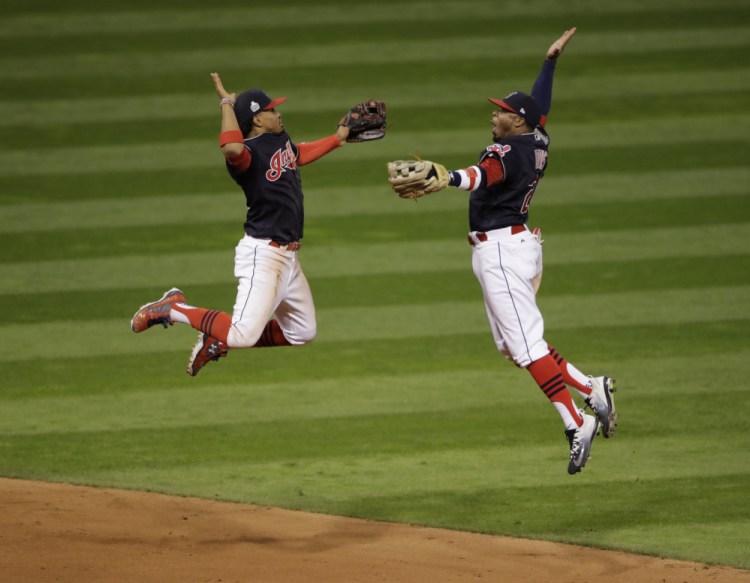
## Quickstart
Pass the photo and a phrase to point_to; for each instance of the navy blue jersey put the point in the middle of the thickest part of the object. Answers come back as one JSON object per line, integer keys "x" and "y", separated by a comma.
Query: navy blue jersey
{"x": 273, "y": 188}
{"x": 524, "y": 160}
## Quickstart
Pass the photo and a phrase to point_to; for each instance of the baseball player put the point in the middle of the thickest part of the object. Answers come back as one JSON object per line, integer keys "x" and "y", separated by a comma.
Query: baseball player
{"x": 262, "y": 159}
{"x": 507, "y": 256}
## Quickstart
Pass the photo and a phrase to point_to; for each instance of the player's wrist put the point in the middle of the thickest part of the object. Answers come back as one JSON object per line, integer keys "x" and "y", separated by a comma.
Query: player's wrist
{"x": 226, "y": 101}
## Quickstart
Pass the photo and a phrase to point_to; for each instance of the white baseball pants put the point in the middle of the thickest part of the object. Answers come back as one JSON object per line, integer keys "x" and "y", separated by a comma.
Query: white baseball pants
{"x": 270, "y": 282}
{"x": 509, "y": 269}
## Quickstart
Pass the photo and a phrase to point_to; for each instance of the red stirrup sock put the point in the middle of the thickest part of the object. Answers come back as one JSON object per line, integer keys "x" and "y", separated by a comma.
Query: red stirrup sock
{"x": 548, "y": 376}
{"x": 579, "y": 382}
{"x": 272, "y": 336}
{"x": 215, "y": 323}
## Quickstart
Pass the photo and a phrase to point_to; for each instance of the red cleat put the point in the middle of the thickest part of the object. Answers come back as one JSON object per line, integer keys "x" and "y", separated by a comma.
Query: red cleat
{"x": 206, "y": 349}
{"x": 156, "y": 312}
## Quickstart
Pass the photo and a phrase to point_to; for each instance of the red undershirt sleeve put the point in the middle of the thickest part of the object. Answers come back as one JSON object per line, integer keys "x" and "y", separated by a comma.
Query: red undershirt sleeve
{"x": 311, "y": 151}
{"x": 240, "y": 162}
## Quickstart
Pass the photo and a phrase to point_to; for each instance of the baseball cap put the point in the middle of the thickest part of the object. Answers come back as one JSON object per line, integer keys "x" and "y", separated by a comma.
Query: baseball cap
{"x": 251, "y": 102}
{"x": 522, "y": 104}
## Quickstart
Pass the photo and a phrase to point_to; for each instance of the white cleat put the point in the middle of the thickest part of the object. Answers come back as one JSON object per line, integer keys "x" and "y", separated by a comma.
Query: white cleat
{"x": 602, "y": 403}
{"x": 580, "y": 442}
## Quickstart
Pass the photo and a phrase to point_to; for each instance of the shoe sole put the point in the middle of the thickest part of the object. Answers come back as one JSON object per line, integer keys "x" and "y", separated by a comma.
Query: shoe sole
{"x": 609, "y": 389}
{"x": 574, "y": 469}
{"x": 196, "y": 349}
{"x": 144, "y": 306}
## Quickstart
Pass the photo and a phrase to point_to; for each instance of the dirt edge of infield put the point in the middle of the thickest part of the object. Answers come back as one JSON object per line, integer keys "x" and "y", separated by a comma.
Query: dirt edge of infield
{"x": 64, "y": 533}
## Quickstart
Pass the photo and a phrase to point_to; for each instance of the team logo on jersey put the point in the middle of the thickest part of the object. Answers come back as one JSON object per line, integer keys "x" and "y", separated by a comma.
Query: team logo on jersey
{"x": 282, "y": 160}
{"x": 498, "y": 149}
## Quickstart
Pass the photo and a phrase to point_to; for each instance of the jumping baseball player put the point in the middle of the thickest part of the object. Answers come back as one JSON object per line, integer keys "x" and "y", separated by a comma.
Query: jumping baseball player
{"x": 262, "y": 159}
{"x": 507, "y": 256}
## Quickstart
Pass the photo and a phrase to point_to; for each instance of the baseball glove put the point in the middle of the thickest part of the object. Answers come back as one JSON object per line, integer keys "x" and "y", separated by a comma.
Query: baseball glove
{"x": 366, "y": 121}
{"x": 415, "y": 178}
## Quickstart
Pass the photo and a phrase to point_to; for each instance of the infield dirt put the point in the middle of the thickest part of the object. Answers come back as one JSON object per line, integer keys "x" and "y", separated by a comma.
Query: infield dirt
{"x": 63, "y": 533}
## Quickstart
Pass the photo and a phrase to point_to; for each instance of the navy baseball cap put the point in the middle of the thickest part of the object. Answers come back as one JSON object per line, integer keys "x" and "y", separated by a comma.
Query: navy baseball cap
{"x": 521, "y": 104}
{"x": 251, "y": 102}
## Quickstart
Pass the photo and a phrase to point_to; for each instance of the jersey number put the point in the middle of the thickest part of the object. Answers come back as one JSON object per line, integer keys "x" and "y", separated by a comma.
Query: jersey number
{"x": 529, "y": 195}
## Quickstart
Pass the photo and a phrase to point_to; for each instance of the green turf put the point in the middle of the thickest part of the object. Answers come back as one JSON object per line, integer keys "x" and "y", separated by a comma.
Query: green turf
{"x": 112, "y": 189}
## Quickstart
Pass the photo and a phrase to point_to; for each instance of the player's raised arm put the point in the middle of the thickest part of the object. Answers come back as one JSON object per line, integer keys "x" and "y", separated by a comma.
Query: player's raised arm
{"x": 542, "y": 89}
{"x": 231, "y": 138}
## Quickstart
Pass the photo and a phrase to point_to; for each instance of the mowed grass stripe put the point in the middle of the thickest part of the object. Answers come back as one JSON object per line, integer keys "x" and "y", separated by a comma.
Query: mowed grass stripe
{"x": 87, "y": 65}
{"x": 195, "y": 404}
{"x": 371, "y": 228}
{"x": 113, "y": 336}
{"x": 651, "y": 128}
{"x": 277, "y": 32}
{"x": 199, "y": 104}
{"x": 372, "y": 199}
{"x": 276, "y": 21}
{"x": 615, "y": 350}
{"x": 198, "y": 404}
{"x": 142, "y": 449}
{"x": 385, "y": 74}
{"x": 426, "y": 256}
{"x": 589, "y": 113}
{"x": 394, "y": 289}
{"x": 636, "y": 136}
{"x": 423, "y": 472}
{"x": 190, "y": 19}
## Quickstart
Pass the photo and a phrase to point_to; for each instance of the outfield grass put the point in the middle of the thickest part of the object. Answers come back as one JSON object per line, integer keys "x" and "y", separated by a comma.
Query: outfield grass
{"x": 112, "y": 189}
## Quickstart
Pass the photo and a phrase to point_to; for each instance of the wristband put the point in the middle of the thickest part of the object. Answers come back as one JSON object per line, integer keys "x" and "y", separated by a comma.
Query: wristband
{"x": 226, "y": 100}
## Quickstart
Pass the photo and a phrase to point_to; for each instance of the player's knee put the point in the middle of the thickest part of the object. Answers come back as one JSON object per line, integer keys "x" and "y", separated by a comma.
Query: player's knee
{"x": 301, "y": 336}
{"x": 243, "y": 336}
{"x": 533, "y": 353}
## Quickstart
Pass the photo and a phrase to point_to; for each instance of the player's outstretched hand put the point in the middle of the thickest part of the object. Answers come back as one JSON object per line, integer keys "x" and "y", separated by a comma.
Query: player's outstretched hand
{"x": 557, "y": 47}
{"x": 220, "y": 91}
{"x": 342, "y": 133}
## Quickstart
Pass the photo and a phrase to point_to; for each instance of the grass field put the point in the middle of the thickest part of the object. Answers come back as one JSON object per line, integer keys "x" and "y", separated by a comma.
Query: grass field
{"x": 112, "y": 190}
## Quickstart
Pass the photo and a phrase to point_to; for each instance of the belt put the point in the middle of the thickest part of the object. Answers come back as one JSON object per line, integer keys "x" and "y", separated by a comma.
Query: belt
{"x": 482, "y": 237}
{"x": 293, "y": 246}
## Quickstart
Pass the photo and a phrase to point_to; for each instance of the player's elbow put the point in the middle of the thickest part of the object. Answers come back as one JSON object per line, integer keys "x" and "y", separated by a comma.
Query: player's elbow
{"x": 232, "y": 150}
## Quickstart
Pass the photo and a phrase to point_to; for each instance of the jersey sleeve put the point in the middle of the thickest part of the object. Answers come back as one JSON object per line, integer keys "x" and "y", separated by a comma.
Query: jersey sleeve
{"x": 542, "y": 89}
{"x": 488, "y": 172}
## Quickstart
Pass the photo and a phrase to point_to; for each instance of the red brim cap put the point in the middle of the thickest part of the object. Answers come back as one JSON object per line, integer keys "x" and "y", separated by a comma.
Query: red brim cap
{"x": 274, "y": 103}
{"x": 502, "y": 104}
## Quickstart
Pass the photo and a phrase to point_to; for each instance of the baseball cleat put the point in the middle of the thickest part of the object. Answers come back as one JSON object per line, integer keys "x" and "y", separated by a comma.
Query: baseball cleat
{"x": 156, "y": 312}
{"x": 602, "y": 403}
{"x": 205, "y": 350}
{"x": 580, "y": 440}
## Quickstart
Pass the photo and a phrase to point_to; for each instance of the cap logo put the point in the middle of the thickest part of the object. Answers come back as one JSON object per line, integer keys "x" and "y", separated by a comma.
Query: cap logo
{"x": 522, "y": 110}
{"x": 254, "y": 106}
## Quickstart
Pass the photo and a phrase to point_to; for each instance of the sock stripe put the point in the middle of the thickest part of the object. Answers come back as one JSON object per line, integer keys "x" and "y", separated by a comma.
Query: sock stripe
{"x": 210, "y": 324}
{"x": 554, "y": 380}
{"x": 202, "y": 326}
{"x": 552, "y": 393}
